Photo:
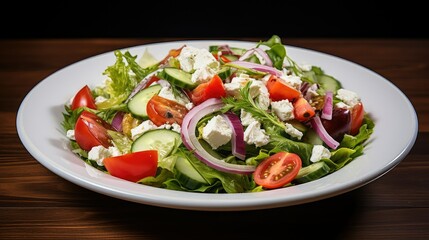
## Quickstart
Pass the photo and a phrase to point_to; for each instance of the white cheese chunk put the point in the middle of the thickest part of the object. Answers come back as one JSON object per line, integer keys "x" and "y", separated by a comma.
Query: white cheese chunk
{"x": 292, "y": 131}
{"x": 99, "y": 153}
{"x": 246, "y": 118}
{"x": 348, "y": 97}
{"x": 142, "y": 128}
{"x": 203, "y": 74}
{"x": 283, "y": 109}
{"x": 319, "y": 152}
{"x": 217, "y": 132}
{"x": 201, "y": 61}
{"x": 167, "y": 92}
{"x": 70, "y": 134}
{"x": 293, "y": 81}
{"x": 255, "y": 135}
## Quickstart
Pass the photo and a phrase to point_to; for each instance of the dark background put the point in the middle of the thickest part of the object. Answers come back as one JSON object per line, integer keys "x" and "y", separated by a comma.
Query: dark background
{"x": 213, "y": 19}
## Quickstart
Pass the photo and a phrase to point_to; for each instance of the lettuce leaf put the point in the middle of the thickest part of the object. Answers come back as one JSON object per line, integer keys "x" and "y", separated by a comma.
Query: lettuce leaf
{"x": 119, "y": 84}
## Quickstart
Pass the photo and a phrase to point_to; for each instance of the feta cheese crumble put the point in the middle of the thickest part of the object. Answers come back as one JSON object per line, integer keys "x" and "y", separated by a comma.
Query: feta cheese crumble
{"x": 319, "y": 152}
{"x": 349, "y": 98}
{"x": 283, "y": 109}
{"x": 217, "y": 132}
{"x": 255, "y": 135}
{"x": 99, "y": 153}
{"x": 201, "y": 61}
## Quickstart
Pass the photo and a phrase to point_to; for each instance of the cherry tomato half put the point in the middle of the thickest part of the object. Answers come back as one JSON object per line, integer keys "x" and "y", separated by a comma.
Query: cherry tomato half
{"x": 302, "y": 110}
{"x": 161, "y": 111}
{"x": 90, "y": 131}
{"x": 211, "y": 89}
{"x": 83, "y": 98}
{"x": 277, "y": 170}
{"x": 279, "y": 90}
{"x": 133, "y": 166}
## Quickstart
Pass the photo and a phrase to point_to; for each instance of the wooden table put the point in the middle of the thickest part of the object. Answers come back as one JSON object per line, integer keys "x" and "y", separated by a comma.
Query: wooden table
{"x": 37, "y": 204}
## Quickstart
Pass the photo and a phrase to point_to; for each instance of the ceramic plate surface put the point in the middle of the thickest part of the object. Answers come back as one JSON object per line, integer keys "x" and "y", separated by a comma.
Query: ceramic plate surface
{"x": 40, "y": 115}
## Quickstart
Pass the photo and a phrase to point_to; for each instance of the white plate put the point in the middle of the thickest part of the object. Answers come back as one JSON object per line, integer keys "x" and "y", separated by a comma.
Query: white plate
{"x": 40, "y": 115}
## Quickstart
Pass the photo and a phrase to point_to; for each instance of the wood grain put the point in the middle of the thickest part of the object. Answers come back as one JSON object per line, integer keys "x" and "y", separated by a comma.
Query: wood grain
{"x": 37, "y": 204}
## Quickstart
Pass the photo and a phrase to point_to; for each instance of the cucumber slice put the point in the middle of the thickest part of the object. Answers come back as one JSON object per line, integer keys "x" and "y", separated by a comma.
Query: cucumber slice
{"x": 238, "y": 51}
{"x": 163, "y": 140}
{"x": 231, "y": 58}
{"x": 224, "y": 73}
{"x": 137, "y": 104}
{"x": 177, "y": 77}
{"x": 312, "y": 172}
{"x": 328, "y": 83}
{"x": 187, "y": 175}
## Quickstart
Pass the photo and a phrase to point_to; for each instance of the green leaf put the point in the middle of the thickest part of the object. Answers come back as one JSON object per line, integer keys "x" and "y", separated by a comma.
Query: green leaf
{"x": 136, "y": 68}
{"x": 122, "y": 142}
{"x": 163, "y": 175}
{"x": 271, "y": 42}
{"x": 277, "y": 54}
{"x": 70, "y": 118}
{"x": 118, "y": 86}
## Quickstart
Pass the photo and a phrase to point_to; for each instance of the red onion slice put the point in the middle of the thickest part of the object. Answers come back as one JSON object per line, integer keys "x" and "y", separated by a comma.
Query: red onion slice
{"x": 247, "y": 54}
{"x": 258, "y": 51}
{"x": 317, "y": 125}
{"x": 265, "y": 56}
{"x": 257, "y": 67}
{"x": 190, "y": 140}
{"x": 327, "y": 107}
{"x": 237, "y": 141}
{"x": 117, "y": 121}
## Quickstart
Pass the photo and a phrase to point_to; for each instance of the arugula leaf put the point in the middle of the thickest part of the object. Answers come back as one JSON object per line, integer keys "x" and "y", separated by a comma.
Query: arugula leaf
{"x": 271, "y": 42}
{"x": 277, "y": 51}
{"x": 70, "y": 118}
{"x": 248, "y": 104}
{"x": 136, "y": 68}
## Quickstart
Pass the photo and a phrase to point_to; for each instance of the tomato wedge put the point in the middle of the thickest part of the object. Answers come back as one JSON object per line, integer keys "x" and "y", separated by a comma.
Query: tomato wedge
{"x": 161, "y": 111}
{"x": 90, "y": 131}
{"x": 357, "y": 115}
{"x": 302, "y": 110}
{"x": 279, "y": 90}
{"x": 211, "y": 89}
{"x": 277, "y": 170}
{"x": 172, "y": 53}
{"x": 133, "y": 166}
{"x": 83, "y": 98}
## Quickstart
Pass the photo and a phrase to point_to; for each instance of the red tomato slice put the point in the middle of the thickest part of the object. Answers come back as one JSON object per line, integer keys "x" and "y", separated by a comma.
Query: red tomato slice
{"x": 277, "y": 170}
{"x": 279, "y": 90}
{"x": 161, "y": 111}
{"x": 83, "y": 98}
{"x": 211, "y": 89}
{"x": 172, "y": 53}
{"x": 133, "y": 166}
{"x": 90, "y": 131}
{"x": 302, "y": 110}
{"x": 357, "y": 115}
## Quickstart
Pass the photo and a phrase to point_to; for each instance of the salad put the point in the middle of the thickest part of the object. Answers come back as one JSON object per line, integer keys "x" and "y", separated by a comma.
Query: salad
{"x": 217, "y": 120}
